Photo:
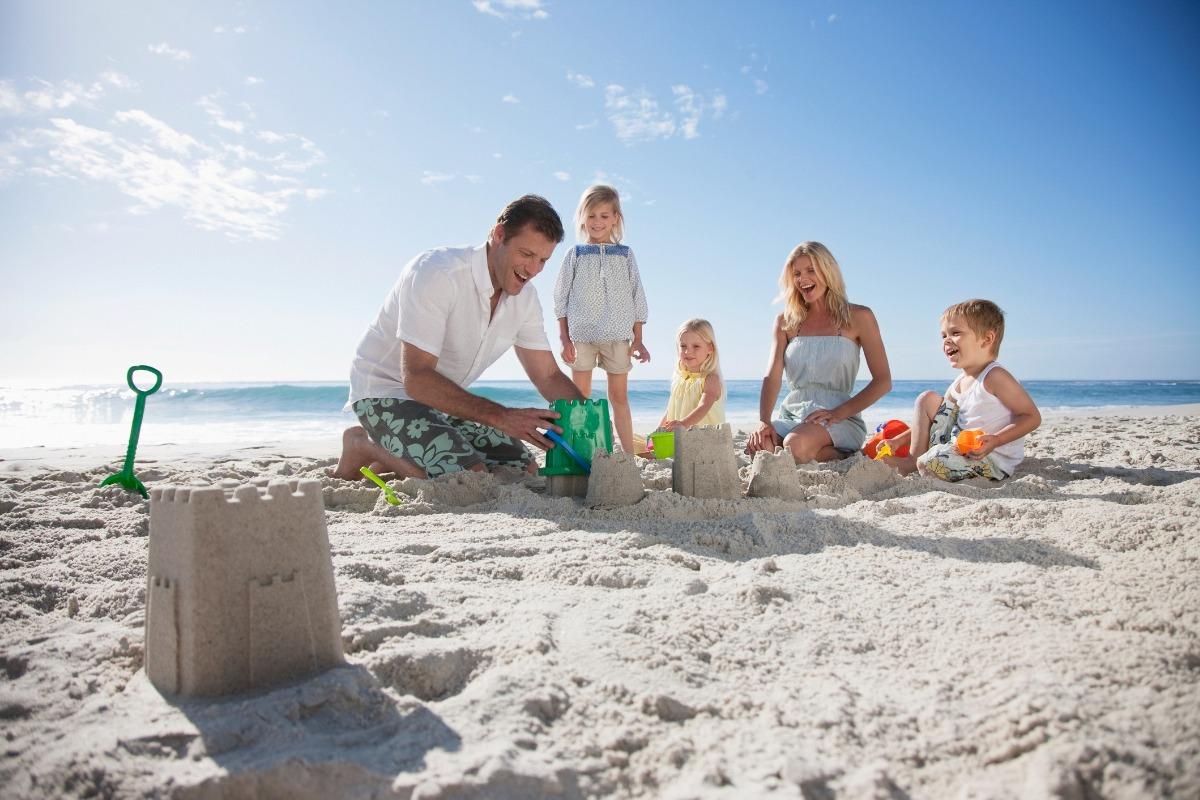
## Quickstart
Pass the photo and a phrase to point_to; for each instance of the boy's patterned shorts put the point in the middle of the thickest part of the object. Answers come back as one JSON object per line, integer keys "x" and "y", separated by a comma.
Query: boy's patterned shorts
{"x": 943, "y": 460}
{"x": 438, "y": 443}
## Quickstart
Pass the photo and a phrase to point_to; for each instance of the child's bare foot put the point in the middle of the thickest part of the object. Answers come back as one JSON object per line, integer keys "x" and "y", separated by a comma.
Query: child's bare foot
{"x": 359, "y": 451}
{"x": 905, "y": 465}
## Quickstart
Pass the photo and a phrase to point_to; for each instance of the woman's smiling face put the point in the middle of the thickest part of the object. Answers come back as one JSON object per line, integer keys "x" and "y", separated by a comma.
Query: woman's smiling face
{"x": 808, "y": 280}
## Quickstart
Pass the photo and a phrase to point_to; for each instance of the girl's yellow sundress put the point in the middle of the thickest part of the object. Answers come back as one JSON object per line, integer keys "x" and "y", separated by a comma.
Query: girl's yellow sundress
{"x": 686, "y": 390}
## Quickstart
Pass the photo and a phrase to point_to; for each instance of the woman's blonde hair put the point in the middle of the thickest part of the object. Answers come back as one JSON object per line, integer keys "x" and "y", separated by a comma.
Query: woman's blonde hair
{"x": 795, "y": 310}
{"x": 592, "y": 197}
{"x": 704, "y": 329}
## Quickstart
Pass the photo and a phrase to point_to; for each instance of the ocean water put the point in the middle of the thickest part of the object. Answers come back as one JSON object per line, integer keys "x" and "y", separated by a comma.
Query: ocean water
{"x": 248, "y": 413}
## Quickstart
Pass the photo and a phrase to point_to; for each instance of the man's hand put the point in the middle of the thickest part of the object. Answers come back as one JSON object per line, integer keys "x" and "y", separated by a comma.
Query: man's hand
{"x": 639, "y": 351}
{"x": 525, "y": 424}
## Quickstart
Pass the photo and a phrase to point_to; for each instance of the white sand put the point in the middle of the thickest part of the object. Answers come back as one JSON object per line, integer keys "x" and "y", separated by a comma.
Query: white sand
{"x": 886, "y": 638}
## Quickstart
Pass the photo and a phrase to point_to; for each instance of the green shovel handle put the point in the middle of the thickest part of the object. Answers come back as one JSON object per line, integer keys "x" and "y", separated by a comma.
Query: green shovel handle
{"x": 143, "y": 392}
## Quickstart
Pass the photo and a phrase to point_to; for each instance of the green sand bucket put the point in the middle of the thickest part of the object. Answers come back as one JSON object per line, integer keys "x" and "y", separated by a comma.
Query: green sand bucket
{"x": 125, "y": 478}
{"x": 587, "y": 429}
{"x": 663, "y": 444}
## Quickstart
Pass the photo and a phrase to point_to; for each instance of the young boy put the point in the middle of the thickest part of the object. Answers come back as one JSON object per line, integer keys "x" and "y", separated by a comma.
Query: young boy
{"x": 985, "y": 396}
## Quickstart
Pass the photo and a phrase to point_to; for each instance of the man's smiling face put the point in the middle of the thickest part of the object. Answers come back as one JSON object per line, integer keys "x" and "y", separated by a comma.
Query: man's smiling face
{"x": 516, "y": 259}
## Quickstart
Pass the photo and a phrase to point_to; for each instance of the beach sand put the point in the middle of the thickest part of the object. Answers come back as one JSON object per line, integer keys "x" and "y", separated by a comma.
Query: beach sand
{"x": 887, "y": 637}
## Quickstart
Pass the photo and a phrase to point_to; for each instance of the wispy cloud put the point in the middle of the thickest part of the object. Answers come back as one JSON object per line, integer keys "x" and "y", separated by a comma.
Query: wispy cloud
{"x": 562, "y": 176}
{"x": 239, "y": 29}
{"x": 511, "y": 98}
{"x": 582, "y": 81}
{"x": 638, "y": 117}
{"x": 508, "y": 9}
{"x": 164, "y": 49}
{"x": 213, "y": 109}
{"x": 160, "y": 167}
{"x": 44, "y": 96}
{"x": 434, "y": 178}
{"x": 832, "y": 18}
{"x": 215, "y": 184}
{"x": 583, "y": 126}
{"x": 251, "y": 80}
{"x": 760, "y": 86}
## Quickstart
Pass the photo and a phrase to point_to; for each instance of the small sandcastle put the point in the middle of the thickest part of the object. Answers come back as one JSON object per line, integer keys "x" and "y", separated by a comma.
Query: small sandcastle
{"x": 774, "y": 475}
{"x": 240, "y": 591}
{"x": 616, "y": 480}
{"x": 705, "y": 465}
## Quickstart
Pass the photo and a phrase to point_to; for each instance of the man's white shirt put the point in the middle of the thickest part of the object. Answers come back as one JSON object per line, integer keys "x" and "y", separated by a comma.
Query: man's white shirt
{"x": 442, "y": 303}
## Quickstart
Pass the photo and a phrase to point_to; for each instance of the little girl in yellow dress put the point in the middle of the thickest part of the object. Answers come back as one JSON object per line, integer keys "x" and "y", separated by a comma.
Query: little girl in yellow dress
{"x": 697, "y": 392}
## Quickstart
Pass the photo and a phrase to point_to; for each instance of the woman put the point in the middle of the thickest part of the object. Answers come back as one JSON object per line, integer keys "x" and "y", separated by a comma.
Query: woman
{"x": 817, "y": 342}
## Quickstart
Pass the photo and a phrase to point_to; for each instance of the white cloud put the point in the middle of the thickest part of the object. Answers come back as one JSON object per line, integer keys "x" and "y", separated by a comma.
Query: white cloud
{"x": 832, "y": 19}
{"x": 511, "y": 98}
{"x": 226, "y": 29}
{"x": 508, "y": 9}
{"x": 44, "y": 96}
{"x": 760, "y": 86}
{"x": 746, "y": 69}
{"x": 637, "y": 116}
{"x": 582, "y": 81}
{"x": 431, "y": 178}
{"x": 497, "y": 155}
{"x": 216, "y": 186}
{"x": 563, "y": 176}
{"x": 583, "y": 126}
{"x": 164, "y": 49}
{"x": 214, "y": 110}
{"x": 251, "y": 80}
{"x": 270, "y": 137}
{"x": 167, "y": 137}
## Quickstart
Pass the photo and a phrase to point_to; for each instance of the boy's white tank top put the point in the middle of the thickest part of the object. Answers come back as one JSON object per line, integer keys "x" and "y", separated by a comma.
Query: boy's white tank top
{"x": 979, "y": 408}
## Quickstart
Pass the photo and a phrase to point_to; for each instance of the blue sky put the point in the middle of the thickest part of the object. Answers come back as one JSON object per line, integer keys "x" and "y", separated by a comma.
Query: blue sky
{"x": 228, "y": 190}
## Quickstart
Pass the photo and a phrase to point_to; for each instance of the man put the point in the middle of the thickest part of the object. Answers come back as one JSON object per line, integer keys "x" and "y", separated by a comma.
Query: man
{"x": 451, "y": 315}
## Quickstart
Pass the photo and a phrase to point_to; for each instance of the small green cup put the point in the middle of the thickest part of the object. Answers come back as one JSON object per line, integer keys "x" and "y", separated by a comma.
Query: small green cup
{"x": 663, "y": 444}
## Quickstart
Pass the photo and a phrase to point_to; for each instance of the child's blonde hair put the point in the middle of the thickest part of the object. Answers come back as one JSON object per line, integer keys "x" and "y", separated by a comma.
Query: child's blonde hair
{"x": 592, "y": 197}
{"x": 704, "y": 329}
{"x": 795, "y": 310}
{"x": 982, "y": 317}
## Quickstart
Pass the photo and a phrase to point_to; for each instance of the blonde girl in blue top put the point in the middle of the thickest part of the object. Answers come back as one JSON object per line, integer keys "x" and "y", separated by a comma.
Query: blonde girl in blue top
{"x": 697, "y": 391}
{"x": 601, "y": 306}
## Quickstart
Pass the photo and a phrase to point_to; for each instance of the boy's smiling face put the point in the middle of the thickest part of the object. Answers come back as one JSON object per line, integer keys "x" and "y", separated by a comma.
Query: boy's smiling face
{"x": 966, "y": 349}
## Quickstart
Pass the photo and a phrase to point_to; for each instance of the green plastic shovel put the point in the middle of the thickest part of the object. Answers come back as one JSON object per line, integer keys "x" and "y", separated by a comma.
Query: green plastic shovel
{"x": 125, "y": 478}
{"x": 387, "y": 490}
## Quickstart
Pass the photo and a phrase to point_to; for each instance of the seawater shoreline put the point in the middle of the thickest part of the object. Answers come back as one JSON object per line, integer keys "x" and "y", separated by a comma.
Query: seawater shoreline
{"x": 327, "y": 445}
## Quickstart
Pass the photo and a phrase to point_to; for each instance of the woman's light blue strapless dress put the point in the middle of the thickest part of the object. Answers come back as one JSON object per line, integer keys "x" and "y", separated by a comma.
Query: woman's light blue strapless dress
{"x": 820, "y": 373}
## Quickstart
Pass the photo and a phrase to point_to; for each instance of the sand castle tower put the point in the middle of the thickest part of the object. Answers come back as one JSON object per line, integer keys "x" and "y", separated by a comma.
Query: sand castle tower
{"x": 774, "y": 475}
{"x": 240, "y": 591}
{"x": 705, "y": 464}
{"x": 616, "y": 480}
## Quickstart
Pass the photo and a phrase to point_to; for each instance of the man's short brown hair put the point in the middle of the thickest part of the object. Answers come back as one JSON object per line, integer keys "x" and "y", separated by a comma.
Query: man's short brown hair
{"x": 981, "y": 316}
{"x": 532, "y": 210}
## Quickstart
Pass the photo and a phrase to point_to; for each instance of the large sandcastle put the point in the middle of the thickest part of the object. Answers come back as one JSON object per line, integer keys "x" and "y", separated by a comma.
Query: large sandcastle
{"x": 240, "y": 591}
{"x": 705, "y": 464}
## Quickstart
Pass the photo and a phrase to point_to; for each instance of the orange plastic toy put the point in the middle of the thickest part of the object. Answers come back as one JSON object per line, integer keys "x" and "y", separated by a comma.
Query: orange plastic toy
{"x": 888, "y": 430}
{"x": 969, "y": 440}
